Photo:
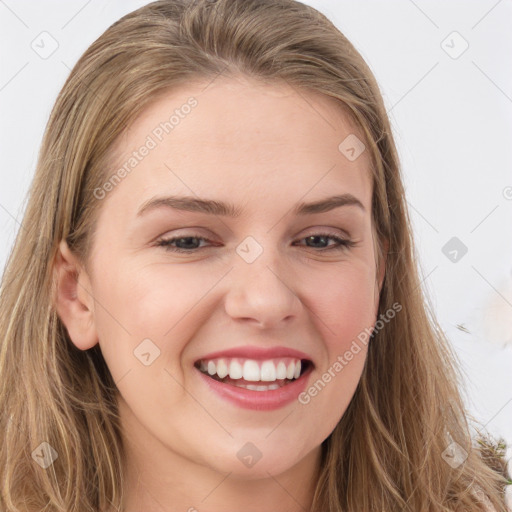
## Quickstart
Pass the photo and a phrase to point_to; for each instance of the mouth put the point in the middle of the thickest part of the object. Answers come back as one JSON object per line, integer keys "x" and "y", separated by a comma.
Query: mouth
{"x": 255, "y": 374}
{"x": 255, "y": 377}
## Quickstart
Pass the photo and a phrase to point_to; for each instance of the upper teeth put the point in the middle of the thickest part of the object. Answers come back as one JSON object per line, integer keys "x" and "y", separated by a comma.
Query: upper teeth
{"x": 267, "y": 370}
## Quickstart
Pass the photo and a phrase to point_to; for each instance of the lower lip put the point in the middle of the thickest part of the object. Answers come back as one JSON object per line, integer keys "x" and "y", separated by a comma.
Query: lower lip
{"x": 258, "y": 400}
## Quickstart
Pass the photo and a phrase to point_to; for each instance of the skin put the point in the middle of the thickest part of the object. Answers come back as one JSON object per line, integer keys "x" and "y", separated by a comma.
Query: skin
{"x": 264, "y": 148}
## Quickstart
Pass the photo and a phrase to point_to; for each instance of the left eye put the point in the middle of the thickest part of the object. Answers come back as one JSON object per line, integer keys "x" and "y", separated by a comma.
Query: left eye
{"x": 189, "y": 246}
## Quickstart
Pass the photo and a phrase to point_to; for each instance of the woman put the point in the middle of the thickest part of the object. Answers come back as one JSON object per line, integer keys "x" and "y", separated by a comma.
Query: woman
{"x": 173, "y": 336}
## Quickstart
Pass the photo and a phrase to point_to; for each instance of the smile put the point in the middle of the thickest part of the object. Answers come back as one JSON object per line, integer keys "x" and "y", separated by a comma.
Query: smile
{"x": 256, "y": 383}
{"x": 269, "y": 370}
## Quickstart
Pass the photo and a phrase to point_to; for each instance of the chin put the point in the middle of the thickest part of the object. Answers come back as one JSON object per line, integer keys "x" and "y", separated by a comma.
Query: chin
{"x": 249, "y": 464}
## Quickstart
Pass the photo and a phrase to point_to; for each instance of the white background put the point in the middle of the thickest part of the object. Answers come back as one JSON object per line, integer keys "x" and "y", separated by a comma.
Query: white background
{"x": 452, "y": 120}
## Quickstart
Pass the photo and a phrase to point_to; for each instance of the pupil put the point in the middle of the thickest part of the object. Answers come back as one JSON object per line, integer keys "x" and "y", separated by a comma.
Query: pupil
{"x": 315, "y": 237}
{"x": 186, "y": 238}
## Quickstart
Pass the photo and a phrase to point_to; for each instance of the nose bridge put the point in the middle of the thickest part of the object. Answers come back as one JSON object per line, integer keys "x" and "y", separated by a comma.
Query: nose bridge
{"x": 259, "y": 287}
{"x": 259, "y": 255}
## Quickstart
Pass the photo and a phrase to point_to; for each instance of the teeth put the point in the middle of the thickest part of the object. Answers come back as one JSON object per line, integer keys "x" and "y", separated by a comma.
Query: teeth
{"x": 252, "y": 387}
{"x": 281, "y": 370}
{"x": 235, "y": 370}
{"x": 290, "y": 372}
{"x": 297, "y": 370}
{"x": 252, "y": 370}
{"x": 268, "y": 371}
{"x": 222, "y": 368}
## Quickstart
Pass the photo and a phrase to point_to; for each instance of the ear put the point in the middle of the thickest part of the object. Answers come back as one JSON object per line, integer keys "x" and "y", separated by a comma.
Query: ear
{"x": 73, "y": 298}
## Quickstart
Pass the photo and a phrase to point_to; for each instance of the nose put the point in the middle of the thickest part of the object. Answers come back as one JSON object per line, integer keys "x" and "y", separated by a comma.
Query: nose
{"x": 262, "y": 292}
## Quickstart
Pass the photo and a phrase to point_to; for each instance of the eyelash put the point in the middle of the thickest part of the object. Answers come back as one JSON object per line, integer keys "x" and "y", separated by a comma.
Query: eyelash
{"x": 344, "y": 244}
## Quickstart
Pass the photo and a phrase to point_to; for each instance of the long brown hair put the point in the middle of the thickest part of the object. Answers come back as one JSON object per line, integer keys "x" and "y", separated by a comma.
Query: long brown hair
{"x": 388, "y": 452}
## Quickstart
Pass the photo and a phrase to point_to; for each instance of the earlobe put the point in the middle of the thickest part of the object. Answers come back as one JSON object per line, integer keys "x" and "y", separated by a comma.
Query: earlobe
{"x": 73, "y": 300}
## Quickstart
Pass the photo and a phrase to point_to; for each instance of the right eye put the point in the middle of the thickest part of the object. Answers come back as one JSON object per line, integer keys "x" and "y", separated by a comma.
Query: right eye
{"x": 167, "y": 243}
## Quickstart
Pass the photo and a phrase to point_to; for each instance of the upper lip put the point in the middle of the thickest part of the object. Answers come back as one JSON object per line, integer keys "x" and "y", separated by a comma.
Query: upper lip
{"x": 259, "y": 353}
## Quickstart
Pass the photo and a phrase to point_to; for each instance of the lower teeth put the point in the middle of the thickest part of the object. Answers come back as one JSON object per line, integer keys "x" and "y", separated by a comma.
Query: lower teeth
{"x": 253, "y": 387}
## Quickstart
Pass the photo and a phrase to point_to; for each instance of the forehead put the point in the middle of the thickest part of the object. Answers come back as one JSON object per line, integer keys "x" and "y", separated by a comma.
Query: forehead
{"x": 253, "y": 140}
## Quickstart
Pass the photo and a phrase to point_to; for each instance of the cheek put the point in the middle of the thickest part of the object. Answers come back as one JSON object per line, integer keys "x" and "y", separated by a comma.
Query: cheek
{"x": 137, "y": 303}
{"x": 343, "y": 310}
{"x": 143, "y": 324}
{"x": 344, "y": 306}
{"x": 142, "y": 301}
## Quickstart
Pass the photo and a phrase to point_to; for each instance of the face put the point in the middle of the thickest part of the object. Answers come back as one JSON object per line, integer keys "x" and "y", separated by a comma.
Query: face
{"x": 180, "y": 298}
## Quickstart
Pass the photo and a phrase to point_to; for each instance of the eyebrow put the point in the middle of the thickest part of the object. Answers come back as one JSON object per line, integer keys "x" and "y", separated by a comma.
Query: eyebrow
{"x": 210, "y": 206}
